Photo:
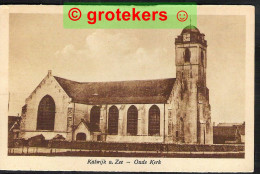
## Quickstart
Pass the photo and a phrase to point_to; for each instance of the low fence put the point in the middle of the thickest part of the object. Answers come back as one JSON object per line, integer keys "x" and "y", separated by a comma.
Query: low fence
{"x": 109, "y": 146}
{"x": 146, "y": 147}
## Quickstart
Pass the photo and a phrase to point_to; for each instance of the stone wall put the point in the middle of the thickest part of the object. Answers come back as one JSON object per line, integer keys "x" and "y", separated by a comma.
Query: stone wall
{"x": 134, "y": 139}
{"x": 83, "y": 112}
{"x": 190, "y": 120}
{"x": 82, "y": 129}
{"x": 69, "y": 115}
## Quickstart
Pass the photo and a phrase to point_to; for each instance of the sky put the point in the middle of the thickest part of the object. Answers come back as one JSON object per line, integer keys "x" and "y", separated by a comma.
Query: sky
{"x": 39, "y": 43}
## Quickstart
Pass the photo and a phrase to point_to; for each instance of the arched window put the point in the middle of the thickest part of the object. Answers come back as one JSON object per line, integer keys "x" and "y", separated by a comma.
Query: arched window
{"x": 132, "y": 118}
{"x": 154, "y": 121}
{"x": 81, "y": 137}
{"x": 95, "y": 118}
{"x": 46, "y": 114}
{"x": 113, "y": 120}
{"x": 187, "y": 55}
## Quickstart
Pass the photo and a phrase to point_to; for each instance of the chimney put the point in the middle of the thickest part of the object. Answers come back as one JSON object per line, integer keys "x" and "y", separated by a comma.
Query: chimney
{"x": 49, "y": 73}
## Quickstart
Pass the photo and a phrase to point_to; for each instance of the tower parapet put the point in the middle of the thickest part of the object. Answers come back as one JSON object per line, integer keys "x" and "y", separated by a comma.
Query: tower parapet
{"x": 191, "y": 34}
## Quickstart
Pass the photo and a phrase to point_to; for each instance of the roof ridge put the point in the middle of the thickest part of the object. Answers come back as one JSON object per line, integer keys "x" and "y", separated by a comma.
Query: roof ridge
{"x": 131, "y": 91}
{"x": 114, "y": 81}
{"x": 66, "y": 79}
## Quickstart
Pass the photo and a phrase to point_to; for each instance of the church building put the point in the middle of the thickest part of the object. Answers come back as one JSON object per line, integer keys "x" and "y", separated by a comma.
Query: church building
{"x": 173, "y": 110}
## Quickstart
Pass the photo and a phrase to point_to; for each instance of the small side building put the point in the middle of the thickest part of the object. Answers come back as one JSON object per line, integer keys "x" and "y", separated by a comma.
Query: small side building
{"x": 229, "y": 133}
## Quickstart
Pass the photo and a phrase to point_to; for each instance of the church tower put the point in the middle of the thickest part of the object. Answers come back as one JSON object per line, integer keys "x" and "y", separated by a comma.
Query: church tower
{"x": 193, "y": 120}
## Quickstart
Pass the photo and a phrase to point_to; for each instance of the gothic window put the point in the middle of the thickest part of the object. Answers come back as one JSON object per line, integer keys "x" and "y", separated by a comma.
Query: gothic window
{"x": 132, "y": 118}
{"x": 46, "y": 114}
{"x": 81, "y": 137}
{"x": 187, "y": 55}
{"x": 95, "y": 117}
{"x": 113, "y": 115}
{"x": 154, "y": 121}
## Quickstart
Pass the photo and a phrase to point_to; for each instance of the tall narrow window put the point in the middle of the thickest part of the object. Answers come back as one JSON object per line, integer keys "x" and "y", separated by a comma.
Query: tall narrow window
{"x": 113, "y": 120}
{"x": 154, "y": 121}
{"x": 202, "y": 58}
{"x": 95, "y": 118}
{"x": 187, "y": 55}
{"x": 182, "y": 129}
{"x": 132, "y": 118}
{"x": 46, "y": 114}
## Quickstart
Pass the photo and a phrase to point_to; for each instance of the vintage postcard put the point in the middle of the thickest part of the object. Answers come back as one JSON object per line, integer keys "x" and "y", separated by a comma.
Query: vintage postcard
{"x": 111, "y": 98}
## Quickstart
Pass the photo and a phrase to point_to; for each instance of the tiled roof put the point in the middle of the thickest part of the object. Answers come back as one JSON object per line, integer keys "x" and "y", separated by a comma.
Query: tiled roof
{"x": 229, "y": 131}
{"x": 89, "y": 126}
{"x": 118, "y": 92}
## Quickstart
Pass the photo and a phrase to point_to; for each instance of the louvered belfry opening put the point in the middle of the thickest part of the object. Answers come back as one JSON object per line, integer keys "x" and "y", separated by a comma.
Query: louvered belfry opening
{"x": 154, "y": 120}
{"x": 132, "y": 118}
{"x": 187, "y": 55}
{"x": 95, "y": 118}
{"x": 46, "y": 114}
{"x": 113, "y": 115}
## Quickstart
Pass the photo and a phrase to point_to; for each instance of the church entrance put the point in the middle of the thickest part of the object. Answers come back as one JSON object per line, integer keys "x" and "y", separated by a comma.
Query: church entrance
{"x": 81, "y": 137}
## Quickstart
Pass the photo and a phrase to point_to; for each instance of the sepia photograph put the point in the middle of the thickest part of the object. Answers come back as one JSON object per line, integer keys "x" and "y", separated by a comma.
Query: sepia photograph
{"x": 138, "y": 96}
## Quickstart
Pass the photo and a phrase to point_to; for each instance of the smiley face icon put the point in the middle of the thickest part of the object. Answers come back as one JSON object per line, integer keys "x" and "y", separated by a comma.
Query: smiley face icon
{"x": 182, "y": 16}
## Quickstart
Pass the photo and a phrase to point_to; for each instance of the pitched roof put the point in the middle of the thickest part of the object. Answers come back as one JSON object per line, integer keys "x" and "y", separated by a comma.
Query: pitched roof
{"x": 229, "y": 130}
{"x": 89, "y": 126}
{"x": 118, "y": 92}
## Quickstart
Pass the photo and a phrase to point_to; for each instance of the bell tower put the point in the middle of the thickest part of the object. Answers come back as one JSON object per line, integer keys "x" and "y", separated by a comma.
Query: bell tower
{"x": 193, "y": 120}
